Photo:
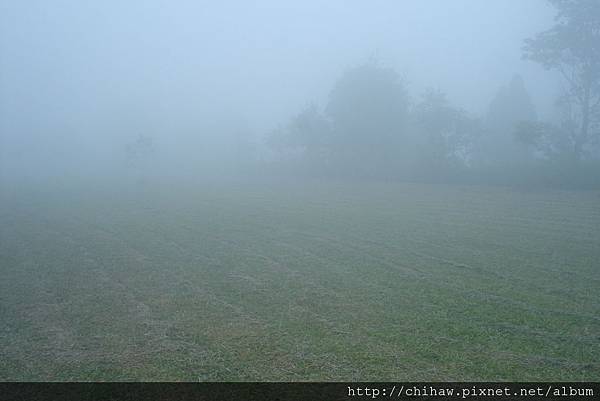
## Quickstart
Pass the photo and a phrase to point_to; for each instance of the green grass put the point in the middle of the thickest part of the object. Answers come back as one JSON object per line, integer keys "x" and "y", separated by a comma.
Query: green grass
{"x": 315, "y": 281}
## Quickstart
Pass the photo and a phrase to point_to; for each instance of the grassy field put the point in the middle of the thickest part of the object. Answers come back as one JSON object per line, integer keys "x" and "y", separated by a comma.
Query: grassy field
{"x": 315, "y": 281}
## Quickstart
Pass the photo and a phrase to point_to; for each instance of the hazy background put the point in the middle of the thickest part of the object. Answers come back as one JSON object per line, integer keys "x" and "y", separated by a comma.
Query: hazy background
{"x": 81, "y": 80}
{"x": 299, "y": 190}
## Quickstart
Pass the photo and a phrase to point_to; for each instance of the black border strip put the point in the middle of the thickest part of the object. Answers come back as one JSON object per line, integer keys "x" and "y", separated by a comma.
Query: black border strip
{"x": 35, "y": 391}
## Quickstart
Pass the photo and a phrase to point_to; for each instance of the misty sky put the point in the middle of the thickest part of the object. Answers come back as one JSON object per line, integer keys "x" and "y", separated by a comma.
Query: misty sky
{"x": 102, "y": 72}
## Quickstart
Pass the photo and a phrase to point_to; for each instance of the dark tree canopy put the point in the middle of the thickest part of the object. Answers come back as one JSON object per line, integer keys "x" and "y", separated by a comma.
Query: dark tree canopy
{"x": 572, "y": 46}
{"x": 308, "y": 132}
{"x": 510, "y": 106}
{"x": 445, "y": 133}
{"x": 368, "y": 107}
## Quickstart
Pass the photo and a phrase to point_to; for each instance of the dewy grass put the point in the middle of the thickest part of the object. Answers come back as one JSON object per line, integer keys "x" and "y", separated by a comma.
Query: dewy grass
{"x": 313, "y": 281}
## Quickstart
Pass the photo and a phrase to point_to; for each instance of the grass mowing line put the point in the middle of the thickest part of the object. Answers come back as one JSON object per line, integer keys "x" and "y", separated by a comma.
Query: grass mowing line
{"x": 298, "y": 284}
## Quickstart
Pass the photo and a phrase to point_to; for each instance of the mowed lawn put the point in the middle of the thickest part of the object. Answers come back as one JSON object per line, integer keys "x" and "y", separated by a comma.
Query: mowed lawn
{"x": 306, "y": 281}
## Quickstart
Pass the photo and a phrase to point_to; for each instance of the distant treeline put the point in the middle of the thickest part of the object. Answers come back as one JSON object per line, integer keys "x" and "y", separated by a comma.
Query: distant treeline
{"x": 371, "y": 128}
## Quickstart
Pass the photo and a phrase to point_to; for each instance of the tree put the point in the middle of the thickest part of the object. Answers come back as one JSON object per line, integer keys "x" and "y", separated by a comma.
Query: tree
{"x": 139, "y": 149}
{"x": 511, "y": 106}
{"x": 445, "y": 134}
{"x": 368, "y": 107}
{"x": 548, "y": 141}
{"x": 572, "y": 47}
{"x": 307, "y": 134}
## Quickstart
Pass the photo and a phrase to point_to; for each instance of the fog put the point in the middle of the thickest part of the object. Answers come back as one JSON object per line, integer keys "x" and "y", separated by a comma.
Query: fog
{"x": 310, "y": 190}
{"x": 207, "y": 82}
{"x": 79, "y": 81}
